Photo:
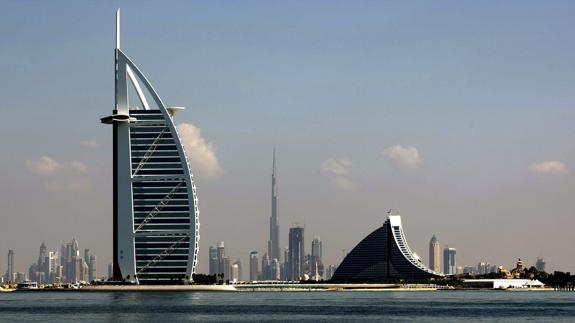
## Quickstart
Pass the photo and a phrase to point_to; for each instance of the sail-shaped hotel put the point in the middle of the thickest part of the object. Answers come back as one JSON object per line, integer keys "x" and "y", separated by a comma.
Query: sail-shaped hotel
{"x": 155, "y": 208}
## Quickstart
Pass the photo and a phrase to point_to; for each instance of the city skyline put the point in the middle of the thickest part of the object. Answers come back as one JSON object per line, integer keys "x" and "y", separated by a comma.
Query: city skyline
{"x": 459, "y": 123}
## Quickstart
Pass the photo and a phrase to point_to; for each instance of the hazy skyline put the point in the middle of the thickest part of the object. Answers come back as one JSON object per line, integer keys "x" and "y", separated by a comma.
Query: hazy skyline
{"x": 458, "y": 114}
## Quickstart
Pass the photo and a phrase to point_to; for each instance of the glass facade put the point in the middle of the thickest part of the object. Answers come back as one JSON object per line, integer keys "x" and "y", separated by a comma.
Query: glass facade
{"x": 163, "y": 200}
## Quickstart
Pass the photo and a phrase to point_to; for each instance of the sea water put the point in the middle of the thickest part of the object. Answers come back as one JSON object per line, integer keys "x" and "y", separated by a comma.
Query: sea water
{"x": 390, "y": 306}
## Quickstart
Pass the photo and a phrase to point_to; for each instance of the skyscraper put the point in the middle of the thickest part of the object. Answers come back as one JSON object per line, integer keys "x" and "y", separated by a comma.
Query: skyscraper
{"x": 296, "y": 253}
{"x": 316, "y": 265}
{"x": 434, "y": 255}
{"x": 10, "y": 272}
{"x": 273, "y": 242}
{"x": 221, "y": 253}
{"x": 213, "y": 260}
{"x": 449, "y": 261}
{"x": 92, "y": 268}
{"x": 155, "y": 207}
{"x": 42, "y": 258}
{"x": 254, "y": 263}
{"x": 540, "y": 264}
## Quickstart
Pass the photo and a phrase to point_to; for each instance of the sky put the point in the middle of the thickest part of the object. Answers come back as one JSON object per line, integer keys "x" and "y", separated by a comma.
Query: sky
{"x": 458, "y": 115}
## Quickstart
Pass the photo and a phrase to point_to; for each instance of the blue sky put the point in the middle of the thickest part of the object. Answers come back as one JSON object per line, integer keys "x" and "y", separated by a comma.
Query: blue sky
{"x": 482, "y": 90}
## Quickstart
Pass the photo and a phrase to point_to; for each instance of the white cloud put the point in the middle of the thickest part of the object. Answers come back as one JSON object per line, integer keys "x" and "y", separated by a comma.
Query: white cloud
{"x": 338, "y": 170}
{"x": 90, "y": 143}
{"x": 63, "y": 176}
{"x": 343, "y": 183}
{"x": 78, "y": 166}
{"x": 44, "y": 166}
{"x": 76, "y": 184}
{"x": 200, "y": 153}
{"x": 407, "y": 157}
{"x": 551, "y": 167}
{"x": 336, "y": 166}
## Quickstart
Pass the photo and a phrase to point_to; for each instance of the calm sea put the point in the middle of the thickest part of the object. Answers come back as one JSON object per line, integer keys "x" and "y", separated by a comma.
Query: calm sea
{"x": 443, "y": 306}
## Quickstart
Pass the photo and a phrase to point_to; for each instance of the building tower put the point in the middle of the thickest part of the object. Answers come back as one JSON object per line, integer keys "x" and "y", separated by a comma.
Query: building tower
{"x": 273, "y": 242}
{"x": 221, "y": 255}
{"x": 213, "y": 260}
{"x": 156, "y": 226}
{"x": 434, "y": 255}
{"x": 254, "y": 263}
{"x": 42, "y": 258}
{"x": 449, "y": 261}
{"x": 296, "y": 253}
{"x": 384, "y": 254}
{"x": 92, "y": 275}
{"x": 10, "y": 271}
{"x": 540, "y": 264}
{"x": 317, "y": 268}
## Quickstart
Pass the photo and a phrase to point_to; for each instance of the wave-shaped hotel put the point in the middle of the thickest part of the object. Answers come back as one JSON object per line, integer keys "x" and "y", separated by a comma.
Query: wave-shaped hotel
{"x": 383, "y": 255}
{"x": 156, "y": 227}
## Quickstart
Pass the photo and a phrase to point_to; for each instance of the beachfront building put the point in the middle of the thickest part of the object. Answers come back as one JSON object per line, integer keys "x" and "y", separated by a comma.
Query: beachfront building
{"x": 156, "y": 227}
{"x": 383, "y": 254}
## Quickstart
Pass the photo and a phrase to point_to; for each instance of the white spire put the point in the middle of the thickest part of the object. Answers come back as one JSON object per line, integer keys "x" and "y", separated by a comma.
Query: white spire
{"x": 118, "y": 29}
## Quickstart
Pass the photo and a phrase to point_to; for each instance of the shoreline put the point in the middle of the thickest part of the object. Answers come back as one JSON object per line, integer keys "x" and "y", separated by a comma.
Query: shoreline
{"x": 269, "y": 288}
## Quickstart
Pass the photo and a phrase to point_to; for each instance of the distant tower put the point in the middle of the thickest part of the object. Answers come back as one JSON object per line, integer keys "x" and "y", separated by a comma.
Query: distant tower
{"x": 296, "y": 253}
{"x": 273, "y": 242}
{"x": 449, "y": 261}
{"x": 317, "y": 268}
{"x": 42, "y": 257}
{"x": 92, "y": 275}
{"x": 254, "y": 262}
{"x": 221, "y": 253}
{"x": 10, "y": 271}
{"x": 540, "y": 264}
{"x": 213, "y": 260}
{"x": 434, "y": 255}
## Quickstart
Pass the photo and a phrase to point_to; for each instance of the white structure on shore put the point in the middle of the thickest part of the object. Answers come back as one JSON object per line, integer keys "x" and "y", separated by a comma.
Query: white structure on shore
{"x": 156, "y": 226}
{"x": 503, "y": 283}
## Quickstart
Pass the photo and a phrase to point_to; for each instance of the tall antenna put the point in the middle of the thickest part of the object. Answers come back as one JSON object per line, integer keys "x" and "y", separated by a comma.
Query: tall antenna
{"x": 118, "y": 28}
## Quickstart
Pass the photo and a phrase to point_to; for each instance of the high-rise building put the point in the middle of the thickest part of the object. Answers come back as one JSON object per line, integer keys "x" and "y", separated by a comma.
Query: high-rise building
{"x": 213, "y": 260}
{"x": 483, "y": 268}
{"x": 10, "y": 273}
{"x": 53, "y": 268}
{"x": 221, "y": 253}
{"x": 316, "y": 248}
{"x": 434, "y": 255}
{"x": 236, "y": 271}
{"x": 295, "y": 264}
{"x": 155, "y": 207}
{"x": 449, "y": 261}
{"x": 316, "y": 265}
{"x": 42, "y": 258}
{"x": 275, "y": 269}
{"x": 254, "y": 266}
{"x": 540, "y": 264}
{"x": 266, "y": 273}
{"x": 273, "y": 242}
{"x": 92, "y": 275}
{"x": 227, "y": 268}
{"x": 110, "y": 271}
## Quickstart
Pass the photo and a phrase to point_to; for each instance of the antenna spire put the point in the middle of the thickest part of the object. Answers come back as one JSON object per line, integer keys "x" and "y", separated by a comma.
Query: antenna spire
{"x": 274, "y": 161}
{"x": 118, "y": 29}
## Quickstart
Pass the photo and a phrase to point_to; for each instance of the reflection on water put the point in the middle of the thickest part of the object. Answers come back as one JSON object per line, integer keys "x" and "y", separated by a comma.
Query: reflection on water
{"x": 450, "y": 306}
